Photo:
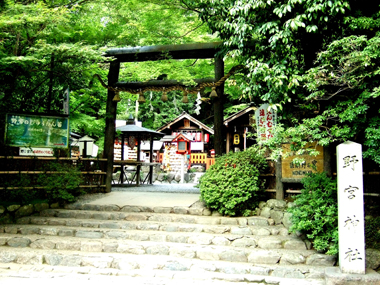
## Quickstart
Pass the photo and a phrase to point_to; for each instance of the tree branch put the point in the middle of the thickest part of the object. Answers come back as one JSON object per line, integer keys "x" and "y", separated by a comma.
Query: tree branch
{"x": 332, "y": 95}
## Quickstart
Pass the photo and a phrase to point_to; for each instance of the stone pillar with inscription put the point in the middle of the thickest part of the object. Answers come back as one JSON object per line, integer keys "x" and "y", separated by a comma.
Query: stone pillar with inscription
{"x": 350, "y": 208}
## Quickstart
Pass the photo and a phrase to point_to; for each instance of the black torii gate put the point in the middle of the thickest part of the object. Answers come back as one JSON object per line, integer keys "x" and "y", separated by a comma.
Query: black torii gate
{"x": 153, "y": 53}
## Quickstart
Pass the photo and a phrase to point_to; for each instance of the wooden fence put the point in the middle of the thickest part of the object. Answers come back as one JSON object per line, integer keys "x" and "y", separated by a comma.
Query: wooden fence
{"x": 201, "y": 158}
{"x": 196, "y": 158}
{"x": 92, "y": 171}
{"x": 284, "y": 187}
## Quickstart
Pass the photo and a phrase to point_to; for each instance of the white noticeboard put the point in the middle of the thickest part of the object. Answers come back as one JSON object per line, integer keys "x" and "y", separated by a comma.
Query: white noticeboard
{"x": 266, "y": 120}
{"x": 350, "y": 208}
{"x": 35, "y": 151}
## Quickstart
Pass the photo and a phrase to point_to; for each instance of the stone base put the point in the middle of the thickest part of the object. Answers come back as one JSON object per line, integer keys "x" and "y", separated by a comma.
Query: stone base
{"x": 335, "y": 277}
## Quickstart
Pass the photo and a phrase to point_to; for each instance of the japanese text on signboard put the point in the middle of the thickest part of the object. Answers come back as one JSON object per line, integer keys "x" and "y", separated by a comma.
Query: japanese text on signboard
{"x": 266, "y": 119}
{"x": 37, "y": 131}
{"x": 306, "y": 163}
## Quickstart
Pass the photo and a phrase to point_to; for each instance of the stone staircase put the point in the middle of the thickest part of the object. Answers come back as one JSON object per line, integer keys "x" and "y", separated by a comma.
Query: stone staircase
{"x": 159, "y": 245}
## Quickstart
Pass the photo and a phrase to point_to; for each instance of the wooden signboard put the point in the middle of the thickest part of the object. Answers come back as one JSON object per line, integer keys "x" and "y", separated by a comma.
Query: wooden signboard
{"x": 311, "y": 164}
{"x": 37, "y": 131}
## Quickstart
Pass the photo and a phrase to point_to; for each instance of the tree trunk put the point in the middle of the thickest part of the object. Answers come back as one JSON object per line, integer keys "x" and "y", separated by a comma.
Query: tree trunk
{"x": 109, "y": 138}
{"x": 51, "y": 83}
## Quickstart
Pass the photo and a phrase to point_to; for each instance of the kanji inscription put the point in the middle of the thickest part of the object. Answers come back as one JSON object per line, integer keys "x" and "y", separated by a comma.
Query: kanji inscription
{"x": 350, "y": 208}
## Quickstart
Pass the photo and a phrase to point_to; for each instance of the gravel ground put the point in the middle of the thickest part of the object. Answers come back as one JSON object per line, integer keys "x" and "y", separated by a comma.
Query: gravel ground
{"x": 163, "y": 188}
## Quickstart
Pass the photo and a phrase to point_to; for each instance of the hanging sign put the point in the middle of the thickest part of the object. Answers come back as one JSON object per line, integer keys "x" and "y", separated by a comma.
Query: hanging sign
{"x": 132, "y": 142}
{"x": 66, "y": 102}
{"x": 36, "y": 131}
{"x": 266, "y": 120}
{"x": 236, "y": 139}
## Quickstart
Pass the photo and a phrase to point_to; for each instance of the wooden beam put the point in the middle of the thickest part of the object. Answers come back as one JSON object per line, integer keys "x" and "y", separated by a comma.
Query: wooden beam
{"x": 159, "y": 83}
{"x": 153, "y": 53}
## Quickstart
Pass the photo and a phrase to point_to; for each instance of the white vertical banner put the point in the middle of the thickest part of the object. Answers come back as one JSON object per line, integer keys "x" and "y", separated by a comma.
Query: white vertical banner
{"x": 350, "y": 208}
{"x": 266, "y": 119}
{"x": 66, "y": 102}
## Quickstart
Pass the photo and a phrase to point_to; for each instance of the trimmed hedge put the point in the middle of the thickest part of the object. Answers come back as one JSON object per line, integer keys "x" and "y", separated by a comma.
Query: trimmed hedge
{"x": 232, "y": 185}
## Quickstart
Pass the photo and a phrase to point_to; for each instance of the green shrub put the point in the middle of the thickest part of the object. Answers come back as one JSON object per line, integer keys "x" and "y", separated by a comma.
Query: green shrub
{"x": 63, "y": 186}
{"x": 372, "y": 234}
{"x": 316, "y": 212}
{"x": 60, "y": 186}
{"x": 232, "y": 185}
{"x": 21, "y": 194}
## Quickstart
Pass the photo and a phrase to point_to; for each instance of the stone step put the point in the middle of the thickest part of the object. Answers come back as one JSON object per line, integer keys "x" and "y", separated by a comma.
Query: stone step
{"x": 198, "y": 210}
{"x": 18, "y": 262}
{"x": 156, "y": 216}
{"x": 178, "y": 244}
{"x": 163, "y": 233}
{"x": 25, "y": 274}
{"x": 168, "y": 248}
{"x": 156, "y": 225}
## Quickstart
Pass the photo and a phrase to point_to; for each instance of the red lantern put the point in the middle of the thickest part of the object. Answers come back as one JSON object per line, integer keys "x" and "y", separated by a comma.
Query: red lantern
{"x": 199, "y": 137}
{"x": 207, "y": 138}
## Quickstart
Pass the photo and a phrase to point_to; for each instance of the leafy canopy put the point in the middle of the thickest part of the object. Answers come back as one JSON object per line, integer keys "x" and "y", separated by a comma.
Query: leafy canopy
{"x": 49, "y": 46}
{"x": 315, "y": 61}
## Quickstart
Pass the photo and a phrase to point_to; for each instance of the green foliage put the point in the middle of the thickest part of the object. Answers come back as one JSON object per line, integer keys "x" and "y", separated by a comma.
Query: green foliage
{"x": 317, "y": 61}
{"x": 232, "y": 185}
{"x": 372, "y": 234}
{"x": 48, "y": 46}
{"x": 22, "y": 195}
{"x": 56, "y": 183}
{"x": 62, "y": 186}
{"x": 316, "y": 212}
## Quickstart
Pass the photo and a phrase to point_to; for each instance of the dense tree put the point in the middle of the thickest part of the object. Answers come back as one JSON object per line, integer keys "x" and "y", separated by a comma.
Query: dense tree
{"x": 316, "y": 60}
{"x": 48, "y": 46}
{"x": 40, "y": 59}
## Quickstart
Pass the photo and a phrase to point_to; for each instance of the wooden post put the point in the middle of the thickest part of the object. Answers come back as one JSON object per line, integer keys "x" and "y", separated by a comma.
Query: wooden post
{"x": 51, "y": 83}
{"x": 151, "y": 160}
{"x": 327, "y": 160}
{"x": 279, "y": 184}
{"x": 138, "y": 167}
{"x": 122, "y": 158}
{"x": 228, "y": 142}
{"x": 109, "y": 134}
{"x": 182, "y": 166}
{"x": 218, "y": 108}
